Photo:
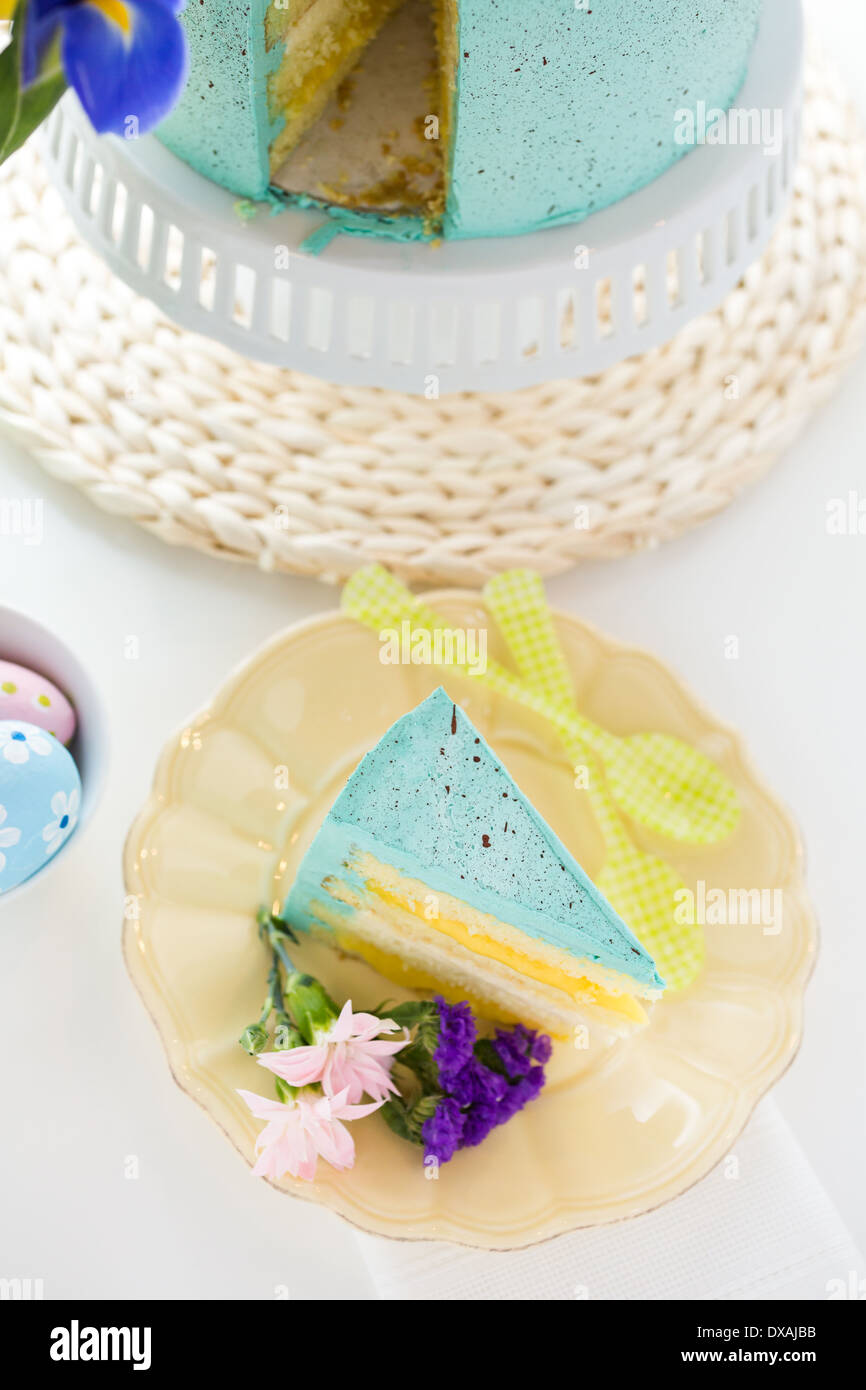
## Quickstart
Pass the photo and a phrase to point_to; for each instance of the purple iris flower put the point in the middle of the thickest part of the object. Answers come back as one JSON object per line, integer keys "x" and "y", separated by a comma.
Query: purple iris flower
{"x": 126, "y": 59}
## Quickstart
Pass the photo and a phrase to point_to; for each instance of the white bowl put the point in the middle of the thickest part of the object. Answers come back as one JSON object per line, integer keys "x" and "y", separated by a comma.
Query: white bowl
{"x": 27, "y": 642}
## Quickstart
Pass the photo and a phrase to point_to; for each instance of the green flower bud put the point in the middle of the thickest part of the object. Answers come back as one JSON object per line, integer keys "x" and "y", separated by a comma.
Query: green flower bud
{"x": 286, "y": 1034}
{"x": 310, "y": 1005}
{"x": 254, "y": 1039}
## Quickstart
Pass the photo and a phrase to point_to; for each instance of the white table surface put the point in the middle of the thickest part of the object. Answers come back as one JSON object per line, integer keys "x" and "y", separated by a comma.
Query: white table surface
{"x": 85, "y": 1083}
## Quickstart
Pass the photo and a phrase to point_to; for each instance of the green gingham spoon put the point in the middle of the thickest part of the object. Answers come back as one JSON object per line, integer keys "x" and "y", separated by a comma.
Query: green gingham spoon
{"x": 643, "y": 888}
{"x": 657, "y": 779}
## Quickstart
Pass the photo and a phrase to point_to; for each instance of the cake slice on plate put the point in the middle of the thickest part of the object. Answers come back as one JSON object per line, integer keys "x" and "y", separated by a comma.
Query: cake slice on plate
{"x": 435, "y": 867}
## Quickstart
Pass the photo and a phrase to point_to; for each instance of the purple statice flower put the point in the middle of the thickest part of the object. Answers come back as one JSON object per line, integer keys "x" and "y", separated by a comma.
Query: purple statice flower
{"x": 443, "y": 1131}
{"x": 477, "y": 1124}
{"x": 520, "y": 1093}
{"x": 485, "y": 1114}
{"x": 518, "y": 1047}
{"x": 457, "y": 1034}
{"x": 476, "y": 1097}
{"x": 476, "y": 1084}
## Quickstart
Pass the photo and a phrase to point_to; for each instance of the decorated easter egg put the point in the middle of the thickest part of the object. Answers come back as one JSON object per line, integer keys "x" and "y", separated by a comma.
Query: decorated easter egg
{"x": 40, "y": 796}
{"x": 26, "y": 695}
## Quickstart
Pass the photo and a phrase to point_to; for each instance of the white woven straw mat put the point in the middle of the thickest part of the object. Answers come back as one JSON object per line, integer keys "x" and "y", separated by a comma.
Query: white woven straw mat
{"x": 261, "y": 464}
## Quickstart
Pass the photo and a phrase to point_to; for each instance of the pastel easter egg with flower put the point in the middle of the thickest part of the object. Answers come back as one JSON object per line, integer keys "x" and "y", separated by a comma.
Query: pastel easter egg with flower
{"x": 40, "y": 796}
{"x": 27, "y": 695}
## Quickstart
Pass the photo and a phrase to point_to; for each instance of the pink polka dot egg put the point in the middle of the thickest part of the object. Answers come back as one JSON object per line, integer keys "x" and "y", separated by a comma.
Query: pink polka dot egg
{"x": 28, "y": 696}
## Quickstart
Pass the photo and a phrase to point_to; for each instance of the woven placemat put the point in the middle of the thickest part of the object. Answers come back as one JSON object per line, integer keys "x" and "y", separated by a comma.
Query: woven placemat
{"x": 256, "y": 463}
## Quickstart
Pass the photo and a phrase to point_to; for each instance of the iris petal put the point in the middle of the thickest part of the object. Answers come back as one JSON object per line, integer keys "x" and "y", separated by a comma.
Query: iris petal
{"x": 125, "y": 77}
{"x": 43, "y": 20}
{"x": 39, "y": 34}
{"x": 115, "y": 10}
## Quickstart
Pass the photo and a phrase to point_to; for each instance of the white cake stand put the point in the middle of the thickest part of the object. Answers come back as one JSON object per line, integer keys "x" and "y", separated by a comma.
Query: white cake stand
{"x": 484, "y": 315}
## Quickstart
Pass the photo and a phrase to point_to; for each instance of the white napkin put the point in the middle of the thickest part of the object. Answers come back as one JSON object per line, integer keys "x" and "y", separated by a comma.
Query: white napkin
{"x": 769, "y": 1232}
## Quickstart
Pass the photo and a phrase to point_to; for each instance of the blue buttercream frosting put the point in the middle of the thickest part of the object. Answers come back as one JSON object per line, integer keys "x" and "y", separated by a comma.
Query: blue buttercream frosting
{"x": 559, "y": 110}
{"x": 434, "y": 800}
{"x": 222, "y": 125}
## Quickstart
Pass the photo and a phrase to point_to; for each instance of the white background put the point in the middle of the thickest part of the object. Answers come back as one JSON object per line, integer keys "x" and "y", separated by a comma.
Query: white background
{"x": 85, "y": 1083}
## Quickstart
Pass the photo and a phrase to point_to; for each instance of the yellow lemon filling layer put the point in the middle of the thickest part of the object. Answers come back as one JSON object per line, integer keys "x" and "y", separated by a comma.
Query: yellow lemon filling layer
{"x": 477, "y": 943}
{"x": 411, "y": 977}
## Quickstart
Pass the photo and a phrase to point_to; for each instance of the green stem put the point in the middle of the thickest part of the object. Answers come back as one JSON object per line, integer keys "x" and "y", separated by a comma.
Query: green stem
{"x": 274, "y": 998}
{"x": 272, "y": 933}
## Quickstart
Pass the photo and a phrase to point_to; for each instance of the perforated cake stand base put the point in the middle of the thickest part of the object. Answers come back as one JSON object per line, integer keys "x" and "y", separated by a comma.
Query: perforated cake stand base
{"x": 477, "y": 315}
{"x": 251, "y": 462}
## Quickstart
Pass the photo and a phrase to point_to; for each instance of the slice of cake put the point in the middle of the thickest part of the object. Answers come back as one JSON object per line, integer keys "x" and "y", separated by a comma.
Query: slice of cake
{"x": 433, "y": 866}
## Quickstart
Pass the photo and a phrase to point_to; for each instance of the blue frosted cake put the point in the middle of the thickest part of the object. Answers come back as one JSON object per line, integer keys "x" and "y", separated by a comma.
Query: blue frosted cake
{"x": 454, "y": 118}
{"x": 434, "y": 867}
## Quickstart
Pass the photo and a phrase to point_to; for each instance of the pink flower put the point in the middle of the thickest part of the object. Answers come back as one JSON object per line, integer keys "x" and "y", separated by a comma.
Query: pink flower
{"x": 301, "y": 1130}
{"x": 347, "y": 1056}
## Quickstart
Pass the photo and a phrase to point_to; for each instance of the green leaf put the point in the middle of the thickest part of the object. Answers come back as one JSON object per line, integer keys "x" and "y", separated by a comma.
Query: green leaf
{"x": 421, "y": 1111}
{"x": 9, "y": 92}
{"x": 421, "y": 1017}
{"x": 417, "y": 1059}
{"x": 409, "y": 1014}
{"x": 427, "y": 1035}
{"x": 23, "y": 109}
{"x": 406, "y": 1120}
{"x": 396, "y": 1116}
{"x": 381, "y": 1010}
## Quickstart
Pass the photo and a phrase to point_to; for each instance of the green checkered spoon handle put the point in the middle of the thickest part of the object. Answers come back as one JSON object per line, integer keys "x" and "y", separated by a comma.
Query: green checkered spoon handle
{"x": 643, "y": 888}
{"x": 660, "y": 781}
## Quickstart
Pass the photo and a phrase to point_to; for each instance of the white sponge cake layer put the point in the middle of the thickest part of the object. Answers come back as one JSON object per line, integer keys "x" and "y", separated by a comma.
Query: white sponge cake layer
{"x": 403, "y": 923}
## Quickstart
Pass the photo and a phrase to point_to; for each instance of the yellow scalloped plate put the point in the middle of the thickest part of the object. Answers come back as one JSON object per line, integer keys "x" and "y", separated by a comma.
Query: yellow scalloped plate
{"x": 237, "y": 797}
